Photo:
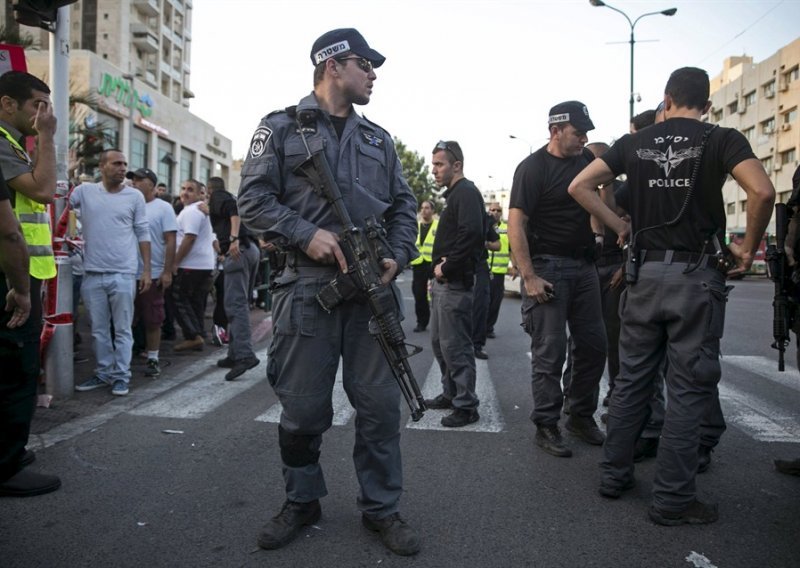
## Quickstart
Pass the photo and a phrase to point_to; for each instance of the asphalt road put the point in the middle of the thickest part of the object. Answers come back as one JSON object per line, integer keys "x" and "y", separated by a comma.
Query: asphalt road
{"x": 185, "y": 470}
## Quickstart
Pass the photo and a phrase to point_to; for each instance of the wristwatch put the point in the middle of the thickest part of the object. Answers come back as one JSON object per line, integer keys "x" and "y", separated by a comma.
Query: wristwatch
{"x": 234, "y": 238}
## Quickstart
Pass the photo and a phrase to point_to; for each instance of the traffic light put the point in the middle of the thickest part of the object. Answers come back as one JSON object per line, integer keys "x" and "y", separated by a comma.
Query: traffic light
{"x": 39, "y": 13}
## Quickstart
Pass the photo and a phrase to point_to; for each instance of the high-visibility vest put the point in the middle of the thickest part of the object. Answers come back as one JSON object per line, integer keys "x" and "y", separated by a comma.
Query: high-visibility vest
{"x": 498, "y": 260}
{"x": 425, "y": 248}
{"x": 35, "y": 223}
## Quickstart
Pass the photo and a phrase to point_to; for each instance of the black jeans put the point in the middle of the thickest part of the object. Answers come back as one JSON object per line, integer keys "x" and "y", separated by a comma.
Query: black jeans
{"x": 20, "y": 364}
{"x": 422, "y": 273}
{"x": 190, "y": 292}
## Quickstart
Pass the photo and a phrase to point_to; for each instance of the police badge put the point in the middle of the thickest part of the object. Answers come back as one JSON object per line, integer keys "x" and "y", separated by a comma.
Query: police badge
{"x": 260, "y": 141}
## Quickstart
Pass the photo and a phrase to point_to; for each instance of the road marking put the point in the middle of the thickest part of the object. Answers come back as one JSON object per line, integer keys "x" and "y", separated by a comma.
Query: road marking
{"x": 491, "y": 417}
{"x": 766, "y": 368}
{"x": 205, "y": 394}
{"x": 342, "y": 411}
{"x": 759, "y": 420}
{"x": 120, "y": 405}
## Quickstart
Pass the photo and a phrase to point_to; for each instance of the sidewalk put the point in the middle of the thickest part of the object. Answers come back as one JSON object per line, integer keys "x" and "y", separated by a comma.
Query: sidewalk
{"x": 82, "y": 404}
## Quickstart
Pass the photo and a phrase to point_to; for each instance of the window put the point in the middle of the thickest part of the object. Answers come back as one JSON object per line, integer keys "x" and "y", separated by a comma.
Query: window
{"x": 767, "y": 163}
{"x": 769, "y": 89}
{"x": 750, "y": 98}
{"x": 187, "y": 164}
{"x": 733, "y": 107}
{"x": 793, "y": 75}
{"x": 205, "y": 169}
{"x": 768, "y": 126}
{"x": 139, "y": 149}
{"x": 166, "y": 162}
{"x": 788, "y": 157}
{"x": 743, "y": 205}
{"x": 717, "y": 115}
{"x": 790, "y": 117}
{"x": 731, "y": 208}
{"x": 749, "y": 132}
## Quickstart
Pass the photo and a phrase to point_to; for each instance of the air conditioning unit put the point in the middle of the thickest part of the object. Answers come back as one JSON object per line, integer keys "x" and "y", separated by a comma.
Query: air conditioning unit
{"x": 784, "y": 86}
{"x": 777, "y": 166}
{"x": 769, "y": 130}
{"x": 741, "y": 109}
{"x": 785, "y": 127}
{"x": 769, "y": 94}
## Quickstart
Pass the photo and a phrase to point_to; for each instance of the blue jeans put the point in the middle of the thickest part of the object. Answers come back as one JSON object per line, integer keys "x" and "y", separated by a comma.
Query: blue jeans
{"x": 109, "y": 297}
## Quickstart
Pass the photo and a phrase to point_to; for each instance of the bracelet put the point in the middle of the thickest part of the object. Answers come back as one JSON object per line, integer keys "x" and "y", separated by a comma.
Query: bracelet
{"x": 234, "y": 238}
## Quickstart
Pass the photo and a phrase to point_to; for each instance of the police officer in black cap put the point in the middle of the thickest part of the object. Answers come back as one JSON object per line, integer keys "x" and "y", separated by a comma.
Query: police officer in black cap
{"x": 308, "y": 342}
{"x": 554, "y": 246}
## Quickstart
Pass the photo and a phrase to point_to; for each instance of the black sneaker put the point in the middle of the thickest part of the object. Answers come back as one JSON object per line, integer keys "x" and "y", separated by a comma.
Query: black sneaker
{"x": 695, "y": 514}
{"x": 285, "y": 526}
{"x": 703, "y": 458}
{"x": 616, "y": 491}
{"x": 789, "y": 467}
{"x": 153, "y": 369}
{"x": 549, "y": 439}
{"x": 480, "y": 353}
{"x": 607, "y": 399}
{"x": 419, "y": 329}
{"x": 395, "y": 534}
{"x": 225, "y": 363}
{"x": 460, "y": 417}
{"x": 490, "y": 335}
{"x": 645, "y": 448}
{"x": 241, "y": 366}
{"x": 27, "y": 458}
{"x": 585, "y": 428}
{"x": 441, "y": 402}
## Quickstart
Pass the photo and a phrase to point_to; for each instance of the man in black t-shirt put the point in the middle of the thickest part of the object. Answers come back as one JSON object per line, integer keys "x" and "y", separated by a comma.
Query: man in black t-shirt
{"x": 676, "y": 295}
{"x": 19, "y": 359}
{"x": 457, "y": 249}
{"x": 554, "y": 247}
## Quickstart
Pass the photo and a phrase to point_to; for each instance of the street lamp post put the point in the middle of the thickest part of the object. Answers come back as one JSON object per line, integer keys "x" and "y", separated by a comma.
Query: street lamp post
{"x": 530, "y": 147}
{"x": 667, "y": 12}
{"x": 131, "y": 116}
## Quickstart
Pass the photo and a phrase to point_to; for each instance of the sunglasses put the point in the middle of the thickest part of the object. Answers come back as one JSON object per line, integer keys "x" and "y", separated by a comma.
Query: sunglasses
{"x": 364, "y": 64}
{"x": 442, "y": 145}
{"x": 496, "y": 210}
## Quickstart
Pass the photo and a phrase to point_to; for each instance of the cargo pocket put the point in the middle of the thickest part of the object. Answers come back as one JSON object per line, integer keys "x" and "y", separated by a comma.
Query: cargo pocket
{"x": 706, "y": 367}
{"x": 371, "y": 170}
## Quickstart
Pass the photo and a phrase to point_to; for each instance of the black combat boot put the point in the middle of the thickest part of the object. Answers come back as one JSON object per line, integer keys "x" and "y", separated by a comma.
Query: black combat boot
{"x": 395, "y": 533}
{"x": 286, "y": 525}
{"x": 548, "y": 437}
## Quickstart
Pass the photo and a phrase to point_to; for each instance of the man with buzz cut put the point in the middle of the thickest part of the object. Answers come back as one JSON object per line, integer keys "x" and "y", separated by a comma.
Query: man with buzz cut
{"x": 554, "y": 248}
{"x": 674, "y": 305}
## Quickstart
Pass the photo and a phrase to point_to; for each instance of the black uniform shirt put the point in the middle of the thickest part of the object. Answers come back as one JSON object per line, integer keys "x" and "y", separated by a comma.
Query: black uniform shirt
{"x": 460, "y": 234}
{"x": 556, "y": 223}
{"x": 659, "y": 162}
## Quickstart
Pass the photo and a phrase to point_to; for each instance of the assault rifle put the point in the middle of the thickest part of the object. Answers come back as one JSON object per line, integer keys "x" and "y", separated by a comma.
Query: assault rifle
{"x": 363, "y": 249}
{"x": 784, "y": 304}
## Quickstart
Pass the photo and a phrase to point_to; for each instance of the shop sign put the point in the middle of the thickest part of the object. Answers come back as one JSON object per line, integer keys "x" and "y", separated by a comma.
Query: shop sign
{"x": 121, "y": 89}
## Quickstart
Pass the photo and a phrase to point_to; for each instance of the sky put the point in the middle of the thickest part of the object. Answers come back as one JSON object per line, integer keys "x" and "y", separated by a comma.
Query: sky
{"x": 475, "y": 71}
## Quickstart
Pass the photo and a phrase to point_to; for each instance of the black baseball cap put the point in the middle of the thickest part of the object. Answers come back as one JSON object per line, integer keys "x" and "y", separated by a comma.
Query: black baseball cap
{"x": 574, "y": 112}
{"x": 143, "y": 173}
{"x": 344, "y": 40}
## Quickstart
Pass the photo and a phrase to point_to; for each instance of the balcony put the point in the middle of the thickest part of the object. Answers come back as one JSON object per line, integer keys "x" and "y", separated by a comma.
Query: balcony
{"x": 144, "y": 38}
{"x": 148, "y": 8}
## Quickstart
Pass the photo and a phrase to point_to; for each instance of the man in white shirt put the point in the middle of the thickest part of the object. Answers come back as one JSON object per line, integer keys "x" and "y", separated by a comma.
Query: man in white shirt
{"x": 195, "y": 261}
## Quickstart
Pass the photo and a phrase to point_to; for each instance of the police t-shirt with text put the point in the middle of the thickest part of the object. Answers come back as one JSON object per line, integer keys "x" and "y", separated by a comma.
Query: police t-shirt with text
{"x": 557, "y": 224}
{"x": 659, "y": 162}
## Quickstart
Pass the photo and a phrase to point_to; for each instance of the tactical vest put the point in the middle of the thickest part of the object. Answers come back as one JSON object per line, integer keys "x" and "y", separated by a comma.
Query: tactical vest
{"x": 35, "y": 223}
{"x": 426, "y": 247}
{"x": 498, "y": 261}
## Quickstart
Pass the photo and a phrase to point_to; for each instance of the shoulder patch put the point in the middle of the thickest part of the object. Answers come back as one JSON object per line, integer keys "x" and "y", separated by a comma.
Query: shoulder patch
{"x": 279, "y": 111}
{"x": 260, "y": 140}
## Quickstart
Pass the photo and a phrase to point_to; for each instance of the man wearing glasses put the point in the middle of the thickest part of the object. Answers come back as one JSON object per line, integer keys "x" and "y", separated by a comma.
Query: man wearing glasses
{"x": 308, "y": 342}
{"x": 457, "y": 249}
{"x": 554, "y": 248}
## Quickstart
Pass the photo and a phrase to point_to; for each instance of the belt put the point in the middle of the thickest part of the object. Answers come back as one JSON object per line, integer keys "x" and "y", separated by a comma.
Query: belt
{"x": 678, "y": 256}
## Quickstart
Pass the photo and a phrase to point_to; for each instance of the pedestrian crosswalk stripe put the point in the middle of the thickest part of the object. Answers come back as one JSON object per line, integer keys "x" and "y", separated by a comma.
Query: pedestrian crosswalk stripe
{"x": 766, "y": 368}
{"x": 342, "y": 411}
{"x": 491, "y": 418}
{"x": 759, "y": 420}
{"x": 205, "y": 394}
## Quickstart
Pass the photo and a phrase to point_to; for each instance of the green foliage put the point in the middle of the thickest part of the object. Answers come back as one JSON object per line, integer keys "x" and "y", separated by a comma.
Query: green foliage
{"x": 417, "y": 175}
{"x": 11, "y": 35}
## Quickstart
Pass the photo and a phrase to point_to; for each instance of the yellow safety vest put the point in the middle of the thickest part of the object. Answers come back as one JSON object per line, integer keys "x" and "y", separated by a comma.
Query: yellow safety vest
{"x": 498, "y": 261}
{"x": 33, "y": 218}
{"x": 425, "y": 248}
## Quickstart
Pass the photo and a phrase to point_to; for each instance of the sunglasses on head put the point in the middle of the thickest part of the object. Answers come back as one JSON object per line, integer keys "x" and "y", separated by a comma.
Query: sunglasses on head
{"x": 442, "y": 145}
{"x": 364, "y": 64}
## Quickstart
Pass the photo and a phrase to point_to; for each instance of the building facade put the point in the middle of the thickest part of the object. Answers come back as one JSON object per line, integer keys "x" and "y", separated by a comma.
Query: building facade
{"x": 761, "y": 100}
{"x": 132, "y": 59}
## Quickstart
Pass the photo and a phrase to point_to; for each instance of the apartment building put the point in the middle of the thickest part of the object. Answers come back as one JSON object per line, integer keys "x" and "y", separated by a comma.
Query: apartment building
{"x": 133, "y": 57}
{"x": 761, "y": 100}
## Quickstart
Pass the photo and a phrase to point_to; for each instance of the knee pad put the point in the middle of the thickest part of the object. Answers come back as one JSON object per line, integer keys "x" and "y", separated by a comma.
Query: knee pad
{"x": 298, "y": 450}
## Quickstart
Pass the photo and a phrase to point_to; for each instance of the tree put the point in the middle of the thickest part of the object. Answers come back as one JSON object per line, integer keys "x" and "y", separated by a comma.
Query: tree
{"x": 416, "y": 173}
